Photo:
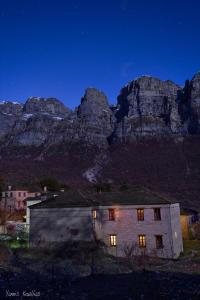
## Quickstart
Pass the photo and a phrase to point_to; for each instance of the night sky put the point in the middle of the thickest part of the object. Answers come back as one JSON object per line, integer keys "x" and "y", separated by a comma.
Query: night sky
{"x": 58, "y": 48}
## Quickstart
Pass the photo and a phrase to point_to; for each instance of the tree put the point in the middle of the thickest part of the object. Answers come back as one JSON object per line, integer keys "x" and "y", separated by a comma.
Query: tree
{"x": 1, "y": 185}
{"x": 51, "y": 183}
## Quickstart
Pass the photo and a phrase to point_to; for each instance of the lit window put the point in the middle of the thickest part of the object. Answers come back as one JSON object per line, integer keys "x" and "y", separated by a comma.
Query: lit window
{"x": 111, "y": 212}
{"x": 113, "y": 240}
{"x": 142, "y": 240}
{"x": 159, "y": 242}
{"x": 140, "y": 214}
{"x": 94, "y": 214}
{"x": 157, "y": 214}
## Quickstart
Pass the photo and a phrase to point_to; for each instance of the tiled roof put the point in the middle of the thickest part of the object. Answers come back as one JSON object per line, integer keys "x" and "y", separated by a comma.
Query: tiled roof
{"x": 83, "y": 199}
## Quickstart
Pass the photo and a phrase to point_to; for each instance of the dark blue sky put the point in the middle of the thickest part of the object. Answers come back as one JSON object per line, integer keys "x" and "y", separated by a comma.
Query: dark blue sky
{"x": 58, "y": 48}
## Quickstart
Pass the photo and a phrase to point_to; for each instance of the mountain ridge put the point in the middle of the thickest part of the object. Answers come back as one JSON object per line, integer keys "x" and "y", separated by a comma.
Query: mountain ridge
{"x": 145, "y": 106}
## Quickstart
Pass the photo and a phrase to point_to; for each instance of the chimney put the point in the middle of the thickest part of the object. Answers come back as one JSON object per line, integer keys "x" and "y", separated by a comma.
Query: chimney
{"x": 45, "y": 189}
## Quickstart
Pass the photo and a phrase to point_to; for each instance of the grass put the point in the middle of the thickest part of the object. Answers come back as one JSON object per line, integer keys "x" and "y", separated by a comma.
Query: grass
{"x": 79, "y": 255}
{"x": 15, "y": 244}
{"x": 191, "y": 245}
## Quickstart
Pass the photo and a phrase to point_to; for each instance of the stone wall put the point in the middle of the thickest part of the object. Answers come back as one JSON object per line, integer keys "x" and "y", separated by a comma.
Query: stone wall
{"x": 57, "y": 225}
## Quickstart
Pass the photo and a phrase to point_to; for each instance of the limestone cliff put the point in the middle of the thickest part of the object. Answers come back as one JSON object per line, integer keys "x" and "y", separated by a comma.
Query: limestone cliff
{"x": 146, "y": 106}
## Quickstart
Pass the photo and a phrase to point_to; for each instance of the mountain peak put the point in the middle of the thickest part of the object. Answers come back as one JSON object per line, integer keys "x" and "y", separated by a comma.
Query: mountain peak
{"x": 45, "y": 105}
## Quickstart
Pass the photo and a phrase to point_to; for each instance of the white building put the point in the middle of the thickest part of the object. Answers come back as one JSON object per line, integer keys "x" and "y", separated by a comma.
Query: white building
{"x": 139, "y": 219}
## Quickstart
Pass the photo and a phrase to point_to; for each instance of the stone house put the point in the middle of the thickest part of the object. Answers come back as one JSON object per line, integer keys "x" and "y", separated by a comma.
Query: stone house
{"x": 13, "y": 198}
{"x": 139, "y": 220}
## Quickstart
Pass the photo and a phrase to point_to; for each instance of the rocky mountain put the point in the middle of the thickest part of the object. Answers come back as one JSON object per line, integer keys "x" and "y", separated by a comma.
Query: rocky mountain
{"x": 146, "y": 106}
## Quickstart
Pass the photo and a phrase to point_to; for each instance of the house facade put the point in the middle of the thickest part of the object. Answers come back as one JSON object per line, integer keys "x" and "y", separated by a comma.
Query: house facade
{"x": 13, "y": 198}
{"x": 122, "y": 221}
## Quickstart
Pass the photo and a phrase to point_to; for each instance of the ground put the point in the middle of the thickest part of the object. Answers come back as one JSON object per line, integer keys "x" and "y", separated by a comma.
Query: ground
{"x": 73, "y": 273}
{"x": 167, "y": 165}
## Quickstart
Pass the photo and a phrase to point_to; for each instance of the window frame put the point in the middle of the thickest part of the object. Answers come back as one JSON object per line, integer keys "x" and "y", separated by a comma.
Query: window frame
{"x": 158, "y": 244}
{"x": 111, "y": 214}
{"x": 140, "y": 214}
{"x": 113, "y": 240}
{"x": 142, "y": 240}
{"x": 156, "y": 214}
{"x": 94, "y": 214}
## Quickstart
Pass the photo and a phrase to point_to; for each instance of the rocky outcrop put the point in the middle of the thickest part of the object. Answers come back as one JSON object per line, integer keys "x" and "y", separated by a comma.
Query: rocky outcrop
{"x": 196, "y": 91}
{"x": 146, "y": 106}
{"x": 46, "y": 106}
{"x": 11, "y": 108}
{"x": 9, "y": 114}
{"x": 6, "y": 124}
{"x": 34, "y": 130}
{"x": 95, "y": 117}
{"x": 32, "y": 123}
{"x": 188, "y": 100}
{"x": 195, "y": 99}
{"x": 48, "y": 122}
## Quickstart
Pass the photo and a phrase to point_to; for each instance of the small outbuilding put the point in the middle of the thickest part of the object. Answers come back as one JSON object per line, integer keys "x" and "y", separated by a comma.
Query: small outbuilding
{"x": 188, "y": 218}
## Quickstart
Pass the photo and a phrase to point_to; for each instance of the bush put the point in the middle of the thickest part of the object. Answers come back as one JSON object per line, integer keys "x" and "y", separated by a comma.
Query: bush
{"x": 196, "y": 230}
{"x": 5, "y": 255}
{"x": 103, "y": 187}
{"x": 124, "y": 187}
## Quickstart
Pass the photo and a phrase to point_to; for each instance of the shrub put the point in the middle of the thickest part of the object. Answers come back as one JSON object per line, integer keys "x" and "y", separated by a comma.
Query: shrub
{"x": 103, "y": 187}
{"x": 51, "y": 183}
{"x": 5, "y": 255}
{"x": 196, "y": 230}
{"x": 124, "y": 187}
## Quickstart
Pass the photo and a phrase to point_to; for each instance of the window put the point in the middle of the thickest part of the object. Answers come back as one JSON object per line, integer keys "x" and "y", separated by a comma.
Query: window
{"x": 19, "y": 194}
{"x": 140, "y": 214}
{"x": 111, "y": 212}
{"x": 142, "y": 240}
{"x": 159, "y": 242}
{"x": 113, "y": 240}
{"x": 24, "y": 194}
{"x": 157, "y": 214}
{"x": 94, "y": 214}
